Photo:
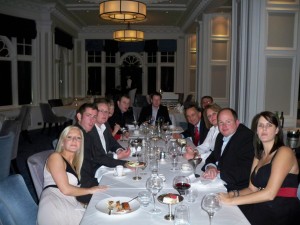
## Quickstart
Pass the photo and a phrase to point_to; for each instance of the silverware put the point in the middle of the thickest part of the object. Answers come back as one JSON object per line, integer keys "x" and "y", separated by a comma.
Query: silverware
{"x": 133, "y": 198}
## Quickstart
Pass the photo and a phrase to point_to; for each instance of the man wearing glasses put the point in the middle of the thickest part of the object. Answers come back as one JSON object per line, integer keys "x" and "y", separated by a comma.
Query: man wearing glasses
{"x": 233, "y": 154}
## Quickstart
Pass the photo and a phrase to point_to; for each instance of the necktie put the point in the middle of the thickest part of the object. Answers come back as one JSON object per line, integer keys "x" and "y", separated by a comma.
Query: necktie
{"x": 196, "y": 136}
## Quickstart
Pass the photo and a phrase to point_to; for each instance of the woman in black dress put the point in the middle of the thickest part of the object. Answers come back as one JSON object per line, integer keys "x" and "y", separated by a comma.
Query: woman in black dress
{"x": 271, "y": 197}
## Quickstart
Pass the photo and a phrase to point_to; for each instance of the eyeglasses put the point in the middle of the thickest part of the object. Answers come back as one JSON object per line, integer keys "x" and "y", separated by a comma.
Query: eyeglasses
{"x": 73, "y": 138}
{"x": 223, "y": 123}
{"x": 103, "y": 112}
{"x": 265, "y": 126}
{"x": 210, "y": 115}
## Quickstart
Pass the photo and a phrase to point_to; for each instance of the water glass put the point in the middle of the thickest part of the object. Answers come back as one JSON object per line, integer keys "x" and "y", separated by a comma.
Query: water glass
{"x": 191, "y": 195}
{"x": 144, "y": 197}
{"x": 182, "y": 215}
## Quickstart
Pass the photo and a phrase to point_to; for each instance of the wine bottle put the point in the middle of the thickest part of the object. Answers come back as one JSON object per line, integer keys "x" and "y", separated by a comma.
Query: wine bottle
{"x": 281, "y": 120}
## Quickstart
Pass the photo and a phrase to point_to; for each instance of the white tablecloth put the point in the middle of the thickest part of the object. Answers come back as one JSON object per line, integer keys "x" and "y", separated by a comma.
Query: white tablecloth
{"x": 177, "y": 118}
{"x": 127, "y": 187}
{"x": 68, "y": 111}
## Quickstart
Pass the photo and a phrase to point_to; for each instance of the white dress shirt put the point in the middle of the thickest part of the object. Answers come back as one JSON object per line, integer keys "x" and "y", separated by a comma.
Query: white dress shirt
{"x": 208, "y": 144}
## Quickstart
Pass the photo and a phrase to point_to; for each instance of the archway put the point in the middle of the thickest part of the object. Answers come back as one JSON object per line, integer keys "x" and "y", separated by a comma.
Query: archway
{"x": 131, "y": 72}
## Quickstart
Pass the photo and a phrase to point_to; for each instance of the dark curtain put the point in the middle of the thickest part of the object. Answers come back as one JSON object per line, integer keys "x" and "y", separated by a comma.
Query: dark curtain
{"x": 94, "y": 81}
{"x": 17, "y": 27}
{"x": 93, "y": 45}
{"x": 151, "y": 79}
{"x": 63, "y": 39}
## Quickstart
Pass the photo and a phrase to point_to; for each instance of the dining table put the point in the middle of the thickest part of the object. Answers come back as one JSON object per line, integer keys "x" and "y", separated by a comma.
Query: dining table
{"x": 125, "y": 187}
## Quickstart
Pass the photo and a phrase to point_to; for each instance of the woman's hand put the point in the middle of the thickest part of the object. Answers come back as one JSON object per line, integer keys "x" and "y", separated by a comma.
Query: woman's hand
{"x": 226, "y": 198}
{"x": 189, "y": 153}
{"x": 210, "y": 173}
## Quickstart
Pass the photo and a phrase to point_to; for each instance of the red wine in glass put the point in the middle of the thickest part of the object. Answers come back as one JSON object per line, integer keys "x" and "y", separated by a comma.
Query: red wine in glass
{"x": 181, "y": 184}
{"x": 182, "y": 187}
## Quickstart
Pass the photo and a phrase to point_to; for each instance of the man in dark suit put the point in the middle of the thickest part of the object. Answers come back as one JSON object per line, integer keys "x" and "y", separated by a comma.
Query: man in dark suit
{"x": 154, "y": 111}
{"x": 86, "y": 118}
{"x": 107, "y": 151}
{"x": 122, "y": 114}
{"x": 233, "y": 153}
{"x": 196, "y": 129}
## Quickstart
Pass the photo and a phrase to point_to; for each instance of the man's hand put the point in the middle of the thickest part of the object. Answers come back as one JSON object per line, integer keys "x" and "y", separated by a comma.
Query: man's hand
{"x": 210, "y": 173}
{"x": 122, "y": 154}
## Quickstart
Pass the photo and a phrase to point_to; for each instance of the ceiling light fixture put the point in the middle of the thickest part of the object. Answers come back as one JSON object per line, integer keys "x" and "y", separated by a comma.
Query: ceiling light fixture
{"x": 128, "y": 35}
{"x": 123, "y": 11}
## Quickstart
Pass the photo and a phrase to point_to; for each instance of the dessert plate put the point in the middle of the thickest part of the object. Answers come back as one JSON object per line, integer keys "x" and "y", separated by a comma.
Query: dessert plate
{"x": 102, "y": 205}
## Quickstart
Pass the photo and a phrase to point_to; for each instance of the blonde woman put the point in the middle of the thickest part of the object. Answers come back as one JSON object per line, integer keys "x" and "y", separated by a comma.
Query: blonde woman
{"x": 58, "y": 204}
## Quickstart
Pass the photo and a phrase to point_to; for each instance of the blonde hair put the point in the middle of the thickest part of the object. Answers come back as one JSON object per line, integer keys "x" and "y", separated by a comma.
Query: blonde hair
{"x": 78, "y": 159}
{"x": 214, "y": 107}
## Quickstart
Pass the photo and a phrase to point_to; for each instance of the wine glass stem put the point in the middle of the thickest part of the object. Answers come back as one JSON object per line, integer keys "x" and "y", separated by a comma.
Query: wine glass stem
{"x": 210, "y": 218}
{"x": 154, "y": 206}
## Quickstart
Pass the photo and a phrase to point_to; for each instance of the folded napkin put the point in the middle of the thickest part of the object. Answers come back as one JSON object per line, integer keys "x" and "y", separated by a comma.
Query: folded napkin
{"x": 100, "y": 172}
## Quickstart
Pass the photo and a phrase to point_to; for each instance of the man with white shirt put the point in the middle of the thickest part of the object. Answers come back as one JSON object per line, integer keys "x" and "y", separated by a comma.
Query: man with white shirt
{"x": 233, "y": 153}
{"x": 107, "y": 151}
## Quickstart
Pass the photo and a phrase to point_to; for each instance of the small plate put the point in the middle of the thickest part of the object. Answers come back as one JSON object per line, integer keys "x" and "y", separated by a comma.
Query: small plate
{"x": 102, "y": 205}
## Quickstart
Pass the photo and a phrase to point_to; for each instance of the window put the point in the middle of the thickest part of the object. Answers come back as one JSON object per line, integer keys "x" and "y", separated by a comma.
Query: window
{"x": 110, "y": 57}
{"x": 94, "y": 56}
{"x": 167, "y": 57}
{"x": 151, "y": 79}
{"x": 167, "y": 79}
{"x": 24, "y": 82}
{"x": 94, "y": 80}
{"x": 5, "y": 84}
{"x": 151, "y": 57}
{"x": 24, "y": 46}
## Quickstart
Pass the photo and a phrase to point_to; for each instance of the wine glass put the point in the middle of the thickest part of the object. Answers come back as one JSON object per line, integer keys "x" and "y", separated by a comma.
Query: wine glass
{"x": 194, "y": 163}
{"x": 173, "y": 155}
{"x": 123, "y": 130}
{"x": 167, "y": 136}
{"x": 154, "y": 184}
{"x": 144, "y": 197}
{"x": 135, "y": 123}
{"x": 182, "y": 143}
{"x": 182, "y": 215}
{"x": 144, "y": 159}
{"x": 181, "y": 184}
{"x": 136, "y": 143}
{"x": 211, "y": 204}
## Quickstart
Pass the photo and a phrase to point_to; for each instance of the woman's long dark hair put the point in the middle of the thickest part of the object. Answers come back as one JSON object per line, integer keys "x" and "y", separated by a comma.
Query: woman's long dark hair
{"x": 271, "y": 118}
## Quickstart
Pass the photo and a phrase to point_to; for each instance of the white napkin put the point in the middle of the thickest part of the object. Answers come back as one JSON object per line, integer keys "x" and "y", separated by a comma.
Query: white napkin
{"x": 203, "y": 183}
{"x": 100, "y": 172}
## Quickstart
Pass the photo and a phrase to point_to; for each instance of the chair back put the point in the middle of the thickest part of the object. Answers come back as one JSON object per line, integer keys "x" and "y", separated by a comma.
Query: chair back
{"x": 36, "y": 164}
{"x": 16, "y": 204}
{"x": 6, "y": 145}
{"x": 131, "y": 94}
{"x": 47, "y": 113}
{"x": 24, "y": 117}
{"x": 55, "y": 102}
{"x": 13, "y": 126}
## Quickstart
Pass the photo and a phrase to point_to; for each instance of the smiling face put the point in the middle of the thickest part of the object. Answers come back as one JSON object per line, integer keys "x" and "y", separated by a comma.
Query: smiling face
{"x": 193, "y": 116}
{"x": 212, "y": 117}
{"x": 266, "y": 131}
{"x": 72, "y": 141}
{"x": 227, "y": 123}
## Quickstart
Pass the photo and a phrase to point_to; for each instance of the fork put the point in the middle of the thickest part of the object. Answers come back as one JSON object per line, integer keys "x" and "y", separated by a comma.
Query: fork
{"x": 110, "y": 208}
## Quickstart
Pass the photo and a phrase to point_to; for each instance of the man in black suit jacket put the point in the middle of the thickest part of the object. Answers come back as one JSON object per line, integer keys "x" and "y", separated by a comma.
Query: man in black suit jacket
{"x": 122, "y": 114}
{"x": 86, "y": 118}
{"x": 233, "y": 153}
{"x": 155, "y": 110}
{"x": 193, "y": 115}
{"x": 107, "y": 151}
